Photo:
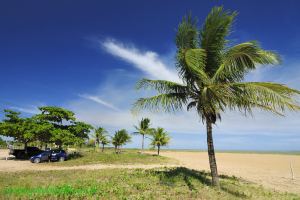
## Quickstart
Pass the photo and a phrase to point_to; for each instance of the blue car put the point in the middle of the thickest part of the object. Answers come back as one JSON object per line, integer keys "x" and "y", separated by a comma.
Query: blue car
{"x": 52, "y": 155}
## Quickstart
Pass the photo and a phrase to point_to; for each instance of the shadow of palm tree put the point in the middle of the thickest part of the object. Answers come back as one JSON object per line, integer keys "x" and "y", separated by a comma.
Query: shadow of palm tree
{"x": 190, "y": 177}
{"x": 170, "y": 176}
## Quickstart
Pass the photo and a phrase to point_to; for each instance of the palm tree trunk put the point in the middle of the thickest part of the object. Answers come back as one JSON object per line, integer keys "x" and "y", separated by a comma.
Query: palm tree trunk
{"x": 102, "y": 147}
{"x": 143, "y": 142}
{"x": 158, "y": 149}
{"x": 211, "y": 155}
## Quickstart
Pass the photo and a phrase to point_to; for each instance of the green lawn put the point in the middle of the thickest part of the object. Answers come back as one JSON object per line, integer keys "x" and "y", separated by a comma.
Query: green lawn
{"x": 128, "y": 156}
{"x": 175, "y": 183}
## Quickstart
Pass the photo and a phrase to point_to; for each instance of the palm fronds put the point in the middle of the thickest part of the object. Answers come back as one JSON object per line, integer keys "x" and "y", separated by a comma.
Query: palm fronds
{"x": 213, "y": 36}
{"x": 240, "y": 59}
{"x": 169, "y": 102}
{"x": 161, "y": 86}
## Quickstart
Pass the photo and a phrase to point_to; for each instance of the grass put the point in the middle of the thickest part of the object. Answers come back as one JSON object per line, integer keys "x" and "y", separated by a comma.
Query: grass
{"x": 128, "y": 156}
{"x": 173, "y": 183}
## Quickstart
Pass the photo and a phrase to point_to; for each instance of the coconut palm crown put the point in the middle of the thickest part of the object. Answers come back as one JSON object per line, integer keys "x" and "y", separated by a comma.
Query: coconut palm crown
{"x": 212, "y": 73}
{"x": 101, "y": 136}
{"x": 121, "y": 137}
{"x": 159, "y": 138}
{"x": 100, "y": 133}
{"x": 143, "y": 129}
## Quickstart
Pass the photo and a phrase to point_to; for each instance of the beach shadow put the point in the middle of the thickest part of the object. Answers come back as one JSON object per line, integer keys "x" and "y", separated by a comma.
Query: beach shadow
{"x": 234, "y": 192}
{"x": 169, "y": 177}
{"x": 74, "y": 156}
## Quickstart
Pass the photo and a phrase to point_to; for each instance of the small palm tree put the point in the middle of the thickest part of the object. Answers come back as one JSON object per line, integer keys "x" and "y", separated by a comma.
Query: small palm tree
{"x": 120, "y": 138}
{"x": 159, "y": 138}
{"x": 101, "y": 137}
{"x": 212, "y": 75}
{"x": 143, "y": 129}
{"x": 104, "y": 141}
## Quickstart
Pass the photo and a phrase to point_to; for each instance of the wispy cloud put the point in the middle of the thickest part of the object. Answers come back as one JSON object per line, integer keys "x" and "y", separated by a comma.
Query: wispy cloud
{"x": 99, "y": 101}
{"x": 32, "y": 110}
{"x": 186, "y": 129}
{"x": 146, "y": 61}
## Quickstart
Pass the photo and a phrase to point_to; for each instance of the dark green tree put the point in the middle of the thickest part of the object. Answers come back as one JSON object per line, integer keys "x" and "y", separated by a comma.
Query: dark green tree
{"x": 65, "y": 128}
{"x": 54, "y": 124}
{"x": 43, "y": 131}
{"x": 80, "y": 132}
{"x": 56, "y": 115}
{"x": 212, "y": 72}
{"x": 18, "y": 128}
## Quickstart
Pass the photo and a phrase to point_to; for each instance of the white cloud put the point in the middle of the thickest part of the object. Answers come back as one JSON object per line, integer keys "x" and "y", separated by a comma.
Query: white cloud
{"x": 99, "y": 101}
{"x": 146, "y": 61}
{"x": 32, "y": 110}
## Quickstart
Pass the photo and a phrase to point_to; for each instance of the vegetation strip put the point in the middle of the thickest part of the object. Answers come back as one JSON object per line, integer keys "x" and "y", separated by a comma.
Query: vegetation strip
{"x": 160, "y": 183}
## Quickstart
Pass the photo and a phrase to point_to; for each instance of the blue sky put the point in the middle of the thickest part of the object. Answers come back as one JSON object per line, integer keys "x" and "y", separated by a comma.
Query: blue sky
{"x": 88, "y": 55}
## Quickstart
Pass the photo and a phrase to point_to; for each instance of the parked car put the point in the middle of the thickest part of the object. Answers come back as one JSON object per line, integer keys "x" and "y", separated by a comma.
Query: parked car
{"x": 58, "y": 155}
{"x": 41, "y": 157}
{"x": 22, "y": 154}
{"x": 52, "y": 155}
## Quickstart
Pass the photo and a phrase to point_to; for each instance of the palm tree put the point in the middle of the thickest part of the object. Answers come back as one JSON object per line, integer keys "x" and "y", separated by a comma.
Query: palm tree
{"x": 104, "y": 141}
{"x": 120, "y": 138}
{"x": 159, "y": 138}
{"x": 101, "y": 137}
{"x": 212, "y": 75}
{"x": 143, "y": 129}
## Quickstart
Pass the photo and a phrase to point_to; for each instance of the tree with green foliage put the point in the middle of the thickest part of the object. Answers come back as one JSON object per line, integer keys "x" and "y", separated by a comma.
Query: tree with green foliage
{"x": 54, "y": 124}
{"x": 56, "y": 115}
{"x": 80, "y": 132}
{"x": 212, "y": 73}
{"x": 61, "y": 119}
{"x": 18, "y": 128}
{"x": 159, "y": 138}
{"x": 66, "y": 130}
{"x": 120, "y": 138}
{"x": 43, "y": 131}
{"x": 25, "y": 130}
{"x": 143, "y": 129}
{"x": 101, "y": 137}
{"x": 11, "y": 121}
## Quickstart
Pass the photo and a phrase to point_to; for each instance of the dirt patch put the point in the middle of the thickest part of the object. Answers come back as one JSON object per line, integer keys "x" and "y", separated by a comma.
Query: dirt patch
{"x": 270, "y": 170}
